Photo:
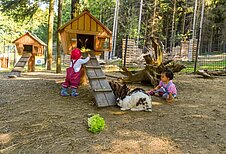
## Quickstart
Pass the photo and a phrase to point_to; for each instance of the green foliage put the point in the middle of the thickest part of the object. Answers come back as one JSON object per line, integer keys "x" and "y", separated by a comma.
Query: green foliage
{"x": 96, "y": 123}
{"x": 21, "y": 10}
{"x": 66, "y": 11}
{"x": 11, "y": 29}
{"x": 18, "y": 16}
{"x": 101, "y": 9}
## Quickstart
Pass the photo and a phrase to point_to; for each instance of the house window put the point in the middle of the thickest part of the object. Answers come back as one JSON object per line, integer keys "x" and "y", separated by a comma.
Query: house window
{"x": 107, "y": 43}
{"x": 104, "y": 43}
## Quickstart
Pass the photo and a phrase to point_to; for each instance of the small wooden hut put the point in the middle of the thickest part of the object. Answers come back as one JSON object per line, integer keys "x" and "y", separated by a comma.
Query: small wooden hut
{"x": 30, "y": 43}
{"x": 4, "y": 61}
{"x": 86, "y": 32}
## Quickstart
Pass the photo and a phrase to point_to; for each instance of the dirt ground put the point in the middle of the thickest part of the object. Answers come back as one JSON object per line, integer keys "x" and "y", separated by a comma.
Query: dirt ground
{"x": 34, "y": 118}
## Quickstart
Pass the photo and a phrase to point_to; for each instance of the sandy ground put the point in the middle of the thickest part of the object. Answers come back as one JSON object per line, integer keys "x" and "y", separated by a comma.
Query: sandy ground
{"x": 34, "y": 118}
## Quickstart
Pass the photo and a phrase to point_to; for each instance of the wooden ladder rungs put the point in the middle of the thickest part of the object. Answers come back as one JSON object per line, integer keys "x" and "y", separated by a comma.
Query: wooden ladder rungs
{"x": 102, "y": 90}
{"x": 23, "y": 59}
{"x": 97, "y": 77}
{"x": 19, "y": 65}
{"x": 26, "y": 56}
{"x": 93, "y": 67}
{"x": 16, "y": 71}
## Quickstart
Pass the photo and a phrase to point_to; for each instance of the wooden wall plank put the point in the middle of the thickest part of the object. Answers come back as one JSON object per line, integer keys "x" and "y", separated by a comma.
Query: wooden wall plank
{"x": 93, "y": 25}
{"x": 81, "y": 21}
{"x": 100, "y": 29}
{"x": 75, "y": 25}
{"x": 87, "y": 23}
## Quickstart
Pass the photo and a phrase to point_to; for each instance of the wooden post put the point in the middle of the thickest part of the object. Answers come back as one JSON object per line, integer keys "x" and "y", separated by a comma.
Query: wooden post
{"x": 83, "y": 80}
{"x": 125, "y": 50}
{"x": 31, "y": 63}
{"x": 4, "y": 60}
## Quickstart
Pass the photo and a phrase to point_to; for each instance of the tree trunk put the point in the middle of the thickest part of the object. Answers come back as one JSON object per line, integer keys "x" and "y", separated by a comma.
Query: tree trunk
{"x": 210, "y": 46}
{"x": 74, "y": 8}
{"x": 139, "y": 23}
{"x": 200, "y": 26}
{"x": 115, "y": 26}
{"x": 50, "y": 35}
{"x": 58, "y": 61}
{"x": 194, "y": 25}
{"x": 158, "y": 51}
{"x": 172, "y": 29}
{"x": 153, "y": 20}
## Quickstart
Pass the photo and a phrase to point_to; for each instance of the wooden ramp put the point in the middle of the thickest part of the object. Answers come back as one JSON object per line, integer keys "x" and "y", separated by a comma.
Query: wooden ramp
{"x": 101, "y": 89}
{"x": 19, "y": 67}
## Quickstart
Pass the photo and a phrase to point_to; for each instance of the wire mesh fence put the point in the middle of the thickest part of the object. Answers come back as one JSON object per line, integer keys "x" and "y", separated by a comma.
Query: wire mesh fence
{"x": 211, "y": 59}
{"x": 208, "y": 60}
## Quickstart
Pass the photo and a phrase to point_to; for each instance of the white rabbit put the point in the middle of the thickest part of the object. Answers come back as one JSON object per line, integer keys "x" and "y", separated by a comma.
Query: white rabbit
{"x": 136, "y": 101}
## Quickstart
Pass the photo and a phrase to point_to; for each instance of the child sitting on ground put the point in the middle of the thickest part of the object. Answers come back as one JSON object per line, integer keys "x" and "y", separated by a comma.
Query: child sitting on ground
{"x": 166, "y": 87}
{"x": 73, "y": 73}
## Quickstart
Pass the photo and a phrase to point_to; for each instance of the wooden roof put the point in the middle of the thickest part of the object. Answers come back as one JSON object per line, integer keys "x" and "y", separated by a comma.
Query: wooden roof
{"x": 32, "y": 36}
{"x": 91, "y": 16}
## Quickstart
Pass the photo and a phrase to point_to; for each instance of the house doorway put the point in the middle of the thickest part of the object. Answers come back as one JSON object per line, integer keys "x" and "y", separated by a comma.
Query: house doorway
{"x": 85, "y": 41}
{"x": 28, "y": 48}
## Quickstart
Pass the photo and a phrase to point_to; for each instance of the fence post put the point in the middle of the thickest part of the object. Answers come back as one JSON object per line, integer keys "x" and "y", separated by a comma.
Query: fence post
{"x": 196, "y": 55}
{"x": 125, "y": 50}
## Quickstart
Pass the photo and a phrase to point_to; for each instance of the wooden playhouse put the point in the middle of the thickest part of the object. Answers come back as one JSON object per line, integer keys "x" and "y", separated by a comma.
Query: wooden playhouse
{"x": 86, "y": 32}
{"x": 28, "y": 46}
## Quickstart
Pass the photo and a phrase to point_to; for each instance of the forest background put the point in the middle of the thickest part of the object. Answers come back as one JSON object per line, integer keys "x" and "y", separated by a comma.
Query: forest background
{"x": 172, "y": 21}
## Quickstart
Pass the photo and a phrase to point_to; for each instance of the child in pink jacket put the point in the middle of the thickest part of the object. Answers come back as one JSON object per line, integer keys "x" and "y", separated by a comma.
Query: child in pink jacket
{"x": 166, "y": 87}
{"x": 73, "y": 73}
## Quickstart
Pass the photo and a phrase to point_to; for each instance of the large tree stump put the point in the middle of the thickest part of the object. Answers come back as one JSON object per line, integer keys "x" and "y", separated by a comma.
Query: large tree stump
{"x": 153, "y": 68}
{"x": 151, "y": 73}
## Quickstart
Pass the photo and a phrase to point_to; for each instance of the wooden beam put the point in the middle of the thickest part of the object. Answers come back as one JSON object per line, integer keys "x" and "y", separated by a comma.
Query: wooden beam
{"x": 97, "y": 77}
{"x": 96, "y": 67}
{"x": 93, "y": 58}
{"x": 102, "y": 90}
{"x": 104, "y": 34}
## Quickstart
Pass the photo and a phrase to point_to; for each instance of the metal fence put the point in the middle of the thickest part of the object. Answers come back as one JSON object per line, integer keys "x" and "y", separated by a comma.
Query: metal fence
{"x": 212, "y": 61}
{"x": 208, "y": 59}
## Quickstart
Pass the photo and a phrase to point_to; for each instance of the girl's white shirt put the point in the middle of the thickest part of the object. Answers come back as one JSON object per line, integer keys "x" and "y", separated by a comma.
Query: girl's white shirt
{"x": 78, "y": 63}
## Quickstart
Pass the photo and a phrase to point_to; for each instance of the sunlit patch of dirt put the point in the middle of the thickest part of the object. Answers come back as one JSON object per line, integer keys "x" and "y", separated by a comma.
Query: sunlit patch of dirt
{"x": 34, "y": 118}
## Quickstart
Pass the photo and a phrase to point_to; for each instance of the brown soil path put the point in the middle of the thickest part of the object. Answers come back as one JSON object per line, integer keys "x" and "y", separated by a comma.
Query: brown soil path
{"x": 34, "y": 118}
